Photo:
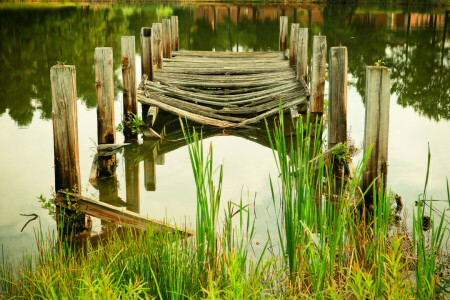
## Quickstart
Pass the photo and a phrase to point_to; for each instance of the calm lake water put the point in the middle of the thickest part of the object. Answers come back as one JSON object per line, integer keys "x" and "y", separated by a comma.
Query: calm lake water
{"x": 412, "y": 42}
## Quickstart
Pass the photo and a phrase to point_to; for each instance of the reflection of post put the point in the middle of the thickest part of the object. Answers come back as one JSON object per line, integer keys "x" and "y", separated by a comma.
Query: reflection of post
{"x": 108, "y": 193}
{"x": 302, "y": 54}
{"x": 131, "y": 180}
{"x": 443, "y": 38}
{"x": 106, "y": 131}
{"x": 376, "y": 129}
{"x": 283, "y": 32}
{"x": 161, "y": 159}
{"x": 65, "y": 135}
{"x": 318, "y": 74}
{"x": 150, "y": 171}
{"x": 129, "y": 83}
{"x": 337, "y": 97}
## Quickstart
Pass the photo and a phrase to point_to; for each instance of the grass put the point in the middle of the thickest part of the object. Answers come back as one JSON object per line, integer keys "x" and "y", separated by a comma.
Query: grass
{"x": 327, "y": 246}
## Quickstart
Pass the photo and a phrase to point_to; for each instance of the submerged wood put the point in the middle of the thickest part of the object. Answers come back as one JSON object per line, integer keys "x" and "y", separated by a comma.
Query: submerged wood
{"x": 113, "y": 214}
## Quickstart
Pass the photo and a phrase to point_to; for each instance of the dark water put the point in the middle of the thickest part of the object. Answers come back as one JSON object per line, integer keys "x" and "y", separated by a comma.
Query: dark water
{"x": 412, "y": 42}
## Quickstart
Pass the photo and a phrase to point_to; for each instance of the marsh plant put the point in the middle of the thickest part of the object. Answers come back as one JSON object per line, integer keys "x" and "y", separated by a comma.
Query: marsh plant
{"x": 328, "y": 245}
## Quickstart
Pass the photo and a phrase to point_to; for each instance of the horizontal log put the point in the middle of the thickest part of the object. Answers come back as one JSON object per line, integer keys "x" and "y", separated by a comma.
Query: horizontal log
{"x": 113, "y": 214}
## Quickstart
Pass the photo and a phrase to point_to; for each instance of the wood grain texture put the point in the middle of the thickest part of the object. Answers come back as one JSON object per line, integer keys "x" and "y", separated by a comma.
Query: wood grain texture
{"x": 104, "y": 83}
{"x": 337, "y": 96}
{"x": 302, "y": 54}
{"x": 283, "y": 32}
{"x": 157, "y": 45}
{"x": 174, "y": 33}
{"x": 129, "y": 75}
{"x": 146, "y": 52}
{"x": 376, "y": 132}
{"x": 318, "y": 73}
{"x": 65, "y": 127}
{"x": 166, "y": 38}
{"x": 293, "y": 44}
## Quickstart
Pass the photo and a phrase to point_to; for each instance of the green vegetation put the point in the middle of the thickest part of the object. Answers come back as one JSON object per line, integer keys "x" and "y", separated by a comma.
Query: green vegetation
{"x": 133, "y": 123}
{"x": 326, "y": 247}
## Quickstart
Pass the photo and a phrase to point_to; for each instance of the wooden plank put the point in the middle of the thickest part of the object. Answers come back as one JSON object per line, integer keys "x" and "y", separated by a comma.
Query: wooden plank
{"x": 283, "y": 32}
{"x": 157, "y": 45}
{"x": 337, "y": 96}
{"x": 318, "y": 74}
{"x": 174, "y": 33}
{"x": 104, "y": 83}
{"x": 112, "y": 214}
{"x": 302, "y": 54}
{"x": 65, "y": 127}
{"x": 376, "y": 131}
{"x": 166, "y": 38}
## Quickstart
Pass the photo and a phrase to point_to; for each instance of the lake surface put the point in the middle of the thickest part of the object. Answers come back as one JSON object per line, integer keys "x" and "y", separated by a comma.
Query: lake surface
{"x": 413, "y": 42}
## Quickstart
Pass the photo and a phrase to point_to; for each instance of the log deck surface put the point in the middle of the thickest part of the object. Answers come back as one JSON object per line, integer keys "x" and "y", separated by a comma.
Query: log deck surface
{"x": 224, "y": 89}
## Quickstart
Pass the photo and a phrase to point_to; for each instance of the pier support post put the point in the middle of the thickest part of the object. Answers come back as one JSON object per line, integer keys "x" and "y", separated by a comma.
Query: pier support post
{"x": 157, "y": 46}
{"x": 106, "y": 130}
{"x": 65, "y": 137}
{"x": 337, "y": 96}
{"x": 376, "y": 130}
{"x": 293, "y": 44}
{"x": 146, "y": 61}
{"x": 302, "y": 54}
{"x": 318, "y": 75}
{"x": 130, "y": 108}
{"x": 283, "y": 32}
{"x": 174, "y": 33}
{"x": 166, "y": 37}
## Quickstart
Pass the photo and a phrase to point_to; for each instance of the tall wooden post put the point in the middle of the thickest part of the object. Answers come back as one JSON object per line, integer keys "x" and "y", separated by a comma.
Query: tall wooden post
{"x": 157, "y": 46}
{"x": 318, "y": 74}
{"x": 106, "y": 130}
{"x": 130, "y": 108}
{"x": 166, "y": 37}
{"x": 302, "y": 54}
{"x": 376, "y": 133}
{"x": 337, "y": 96}
{"x": 174, "y": 33}
{"x": 65, "y": 138}
{"x": 293, "y": 44}
{"x": 283, "y": 32}
{"x": 146, "y": 61}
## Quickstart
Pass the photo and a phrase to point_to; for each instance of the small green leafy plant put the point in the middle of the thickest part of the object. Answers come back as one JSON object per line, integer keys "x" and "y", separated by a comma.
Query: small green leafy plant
{"x": 132, "y": 123}
{"x": 48, "y": 204}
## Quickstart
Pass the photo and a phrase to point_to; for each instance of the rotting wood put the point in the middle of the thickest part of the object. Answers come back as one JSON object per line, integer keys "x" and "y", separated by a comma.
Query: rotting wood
{"x": 174, "y": 33}
{"x": 337, "y": 96}
{"x": 114, "y": 214}
{"x": 151, "y": 115}
{"x": 146, "y": 52}
{"x": 157, "y": 45}
{"x": 302, "y": 54}
{"x": 318, "y": 74}
{"x": 376, "y": 130}
{"x": 130, "y": 108}
{"x": 283, "y": 32}
{"x": 293, "y": 44}
{"x": 166, "y": 38}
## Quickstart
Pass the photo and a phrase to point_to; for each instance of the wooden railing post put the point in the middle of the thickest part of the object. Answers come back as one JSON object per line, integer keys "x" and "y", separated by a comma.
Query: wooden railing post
{"x": 293, "y": 44}
{"x": 174, "y": 33}
{"x": 166, "y": 37}
{"x": 318, "y": 75}
{"x": 65, "y": 138}
{"x": 157, "y": 46}
{"x": 302, "y": 54}
{"x": 283, "y": 32}
{"x": 106, "y": 130}
{"x": 376, "y": 132}
{"x": 337, "y": 96}
{"x": 130, "y": 108}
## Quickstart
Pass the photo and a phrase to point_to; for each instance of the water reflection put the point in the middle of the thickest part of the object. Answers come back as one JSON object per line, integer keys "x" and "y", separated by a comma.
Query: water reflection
{"x": 412, "y": 44}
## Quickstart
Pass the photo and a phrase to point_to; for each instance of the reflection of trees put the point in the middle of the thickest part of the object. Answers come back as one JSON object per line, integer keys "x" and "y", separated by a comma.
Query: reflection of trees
{"x": 35, "y": 39}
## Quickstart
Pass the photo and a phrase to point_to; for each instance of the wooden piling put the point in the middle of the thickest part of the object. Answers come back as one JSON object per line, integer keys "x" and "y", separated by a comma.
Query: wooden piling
{"x": 318, "y": 74}
{"x": 65, "y": 138}
{"x": 157, "y": 46}
{"x": 130, "y": 108}
{"x": 337, "y": 96}
{"x": 293, "y": 44}
{"x": 146, "y": 52}
{"x": 283, "y": 32}
{"x": 166, "y": 38}
{"x": 106, "y": 130}
{"x": 174, "y": 33}
{"x": 302, "y": 54}
{"x": 376, "y": 131}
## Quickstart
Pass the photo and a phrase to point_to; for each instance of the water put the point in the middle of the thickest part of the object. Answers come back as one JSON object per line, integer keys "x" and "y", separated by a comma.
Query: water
{"x": 412, "y": 42}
